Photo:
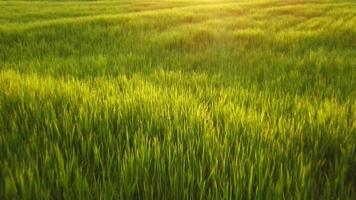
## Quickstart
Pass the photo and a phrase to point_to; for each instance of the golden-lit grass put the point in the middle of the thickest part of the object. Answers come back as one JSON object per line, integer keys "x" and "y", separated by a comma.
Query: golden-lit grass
{"x": 178, "y": 100}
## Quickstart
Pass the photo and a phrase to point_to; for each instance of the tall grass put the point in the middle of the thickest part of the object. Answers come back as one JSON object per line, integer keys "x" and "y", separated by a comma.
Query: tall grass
{"x": 178, "y": 100}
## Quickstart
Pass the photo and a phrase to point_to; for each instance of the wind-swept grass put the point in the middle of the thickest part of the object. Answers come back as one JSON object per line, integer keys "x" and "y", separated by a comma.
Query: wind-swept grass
{"x": 178, "y": 100}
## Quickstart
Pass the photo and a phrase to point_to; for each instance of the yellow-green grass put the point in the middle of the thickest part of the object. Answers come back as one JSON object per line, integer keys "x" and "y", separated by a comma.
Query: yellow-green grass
{"x": 178, "y": 99}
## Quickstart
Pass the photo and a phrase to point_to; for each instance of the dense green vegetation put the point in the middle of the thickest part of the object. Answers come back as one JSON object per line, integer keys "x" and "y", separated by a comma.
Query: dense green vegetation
{"x": 178, "y": 99}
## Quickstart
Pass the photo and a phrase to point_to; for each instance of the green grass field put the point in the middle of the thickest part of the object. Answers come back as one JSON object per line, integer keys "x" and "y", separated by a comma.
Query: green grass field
{"x": 178, "y": 99}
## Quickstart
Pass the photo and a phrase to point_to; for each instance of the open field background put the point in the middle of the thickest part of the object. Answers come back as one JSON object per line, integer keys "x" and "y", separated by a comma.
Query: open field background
{"x": 178, "y": 99}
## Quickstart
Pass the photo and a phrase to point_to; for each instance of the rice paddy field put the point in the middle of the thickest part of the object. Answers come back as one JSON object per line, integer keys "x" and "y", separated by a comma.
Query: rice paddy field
{"x": 178, "y": 99}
